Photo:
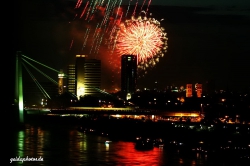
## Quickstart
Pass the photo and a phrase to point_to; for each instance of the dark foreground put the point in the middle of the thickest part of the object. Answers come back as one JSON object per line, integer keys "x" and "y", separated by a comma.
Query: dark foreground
{"x": 185, "y": 140}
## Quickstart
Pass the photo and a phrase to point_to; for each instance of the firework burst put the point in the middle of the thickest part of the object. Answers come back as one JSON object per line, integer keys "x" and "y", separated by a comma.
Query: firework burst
{"x": 100, "y": 30}
{"x": 143, "y": 37}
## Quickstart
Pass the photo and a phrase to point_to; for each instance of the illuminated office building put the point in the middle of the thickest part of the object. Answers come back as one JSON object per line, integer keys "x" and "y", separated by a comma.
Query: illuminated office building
{"x": 88, "y": 76}
{"x": 198, "y": 88}
{"x": 189, "y": 90}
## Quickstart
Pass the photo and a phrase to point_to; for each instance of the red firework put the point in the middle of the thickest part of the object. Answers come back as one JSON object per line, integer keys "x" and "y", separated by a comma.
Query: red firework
{"x": 142, "y": 37}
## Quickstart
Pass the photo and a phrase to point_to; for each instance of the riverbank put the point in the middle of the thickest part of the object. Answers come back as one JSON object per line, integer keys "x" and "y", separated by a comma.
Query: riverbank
{"x": 128, "y": 129}
{"x": 167, "y": 130}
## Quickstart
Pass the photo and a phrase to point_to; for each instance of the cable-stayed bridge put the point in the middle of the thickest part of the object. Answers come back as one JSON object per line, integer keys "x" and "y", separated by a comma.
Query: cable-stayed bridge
{"x": 24, "y": 62}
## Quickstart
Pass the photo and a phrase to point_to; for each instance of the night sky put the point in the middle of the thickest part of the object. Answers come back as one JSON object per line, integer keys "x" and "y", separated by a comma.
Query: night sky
{"x": 207, "y": 41}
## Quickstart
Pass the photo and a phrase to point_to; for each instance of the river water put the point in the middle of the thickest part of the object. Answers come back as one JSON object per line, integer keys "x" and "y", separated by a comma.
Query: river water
{"x": 59, "y": 144}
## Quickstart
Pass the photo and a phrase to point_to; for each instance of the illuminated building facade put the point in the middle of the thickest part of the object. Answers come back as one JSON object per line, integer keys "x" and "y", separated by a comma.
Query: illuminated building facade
{"x": 128, "y": 75}
{"x": 71, "y": 79}
{"x": 198, "y": 88}
{"x": 189, "y": 90}
{"x": 88, "y": 76}
{"x": 61, "y": 77}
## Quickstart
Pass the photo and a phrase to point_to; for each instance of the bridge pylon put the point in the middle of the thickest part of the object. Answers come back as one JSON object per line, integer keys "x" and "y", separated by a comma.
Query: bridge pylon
{"x": 19, "y": 86}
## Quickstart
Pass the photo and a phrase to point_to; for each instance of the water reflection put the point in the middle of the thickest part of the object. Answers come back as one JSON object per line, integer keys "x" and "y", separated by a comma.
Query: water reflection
{"x": 67, "y": 146}
{"x": 27, "y": 142}
{"x": 20, "y": 143}
{"x": 128, "y": 155}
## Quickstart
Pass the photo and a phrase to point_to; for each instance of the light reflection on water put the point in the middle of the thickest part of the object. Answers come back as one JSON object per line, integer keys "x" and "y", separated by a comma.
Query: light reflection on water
{"x": 67, "y": 146}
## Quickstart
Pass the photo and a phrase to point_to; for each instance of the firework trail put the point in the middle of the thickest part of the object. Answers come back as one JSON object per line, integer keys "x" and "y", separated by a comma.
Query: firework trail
{"x": 85, "y": 38}
{"x": 96, "y": 34}
{"x": 143, "y": 4}
{"x": 84, "y": 9}
{"x": 128, "y": 8}
{"x": 87, "y": 15}
{"x": 71, "y": 43}
{"x": 107, "y": 13}
{"x": 135, "y": 7}
{"x": 78, "y": 4}
{"x": 149, "y": 2}
{"x": 103, "y": 15}
{"x": 117, "y": 13}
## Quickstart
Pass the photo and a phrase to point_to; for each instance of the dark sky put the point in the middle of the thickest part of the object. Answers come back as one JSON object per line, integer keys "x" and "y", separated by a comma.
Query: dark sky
{"x": 207, "y": 41}
{"x": 195, "y": 3}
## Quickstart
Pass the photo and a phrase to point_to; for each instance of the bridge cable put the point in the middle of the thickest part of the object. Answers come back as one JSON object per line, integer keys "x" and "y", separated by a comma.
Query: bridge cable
{"x": 41, "y": 64}
{"x": 41, "y": 72}
{"x": 46, "y": 95}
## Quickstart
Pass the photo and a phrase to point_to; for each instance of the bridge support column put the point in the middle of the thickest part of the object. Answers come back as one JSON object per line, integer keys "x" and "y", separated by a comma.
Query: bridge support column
{"x": 19, "y": 86}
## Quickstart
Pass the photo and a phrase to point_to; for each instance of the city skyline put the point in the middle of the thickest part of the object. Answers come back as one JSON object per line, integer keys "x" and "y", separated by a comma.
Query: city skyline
{"x": 205, "y": 45}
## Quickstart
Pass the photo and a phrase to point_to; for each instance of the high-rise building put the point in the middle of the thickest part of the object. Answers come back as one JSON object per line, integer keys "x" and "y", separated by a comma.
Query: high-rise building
{"x": 128, "y": 75}
{"x": 88, "y": 76}
{"x": 189, "y": 90}
{"x": 198, "y": 88}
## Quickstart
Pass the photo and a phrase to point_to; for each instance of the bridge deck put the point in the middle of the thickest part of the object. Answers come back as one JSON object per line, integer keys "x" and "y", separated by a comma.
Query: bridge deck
{"x": 121, "y": 111}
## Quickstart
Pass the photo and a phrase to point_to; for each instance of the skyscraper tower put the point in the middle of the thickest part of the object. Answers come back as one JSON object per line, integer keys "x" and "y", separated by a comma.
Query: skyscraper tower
{"x": 88, "y": 76}
{"x": 128, "y": 75}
